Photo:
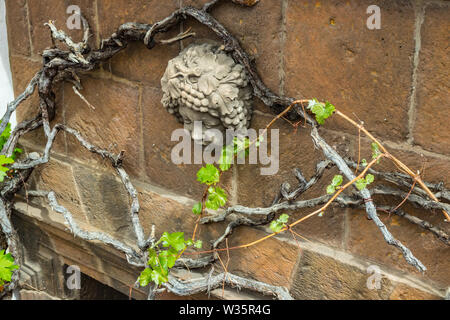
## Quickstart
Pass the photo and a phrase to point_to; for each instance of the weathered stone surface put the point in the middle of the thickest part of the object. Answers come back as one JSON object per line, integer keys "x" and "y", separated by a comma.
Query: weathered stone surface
{"x": 113, "y": 125}
{"x": 296, "y": 150}
{"x": 319, "y": 277}
{"x": 433, "y": 82}
{"x": 41, "y": 12}
{"x": 160, "y": 169}
{"x": 365, "y": 239}
{"x": 430, "y": 165}
{"x": 403, "y": 292}
{"x": 330, "y": 54}
{"x": 136, "y": 62}
{"x": 50, "y": 249}
{"x": 105, "y": 202}
{"x": 58, "y": 177}
{"x": 433, "y": 168}
{"x": 35, "y": 295}
{"x": 16, "y": 19}
{"x": 257, "y": 28}
{"x": 168, "y": 214}
{"x": 23, "y": 70}
{"x": 278, "y": 258}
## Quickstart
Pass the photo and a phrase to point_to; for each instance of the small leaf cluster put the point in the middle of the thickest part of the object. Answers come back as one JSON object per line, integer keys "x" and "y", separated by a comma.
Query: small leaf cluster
{"x": 322, "y": 111}
{"x": 161, "y": 260}
{"x": 7, "y": 267}
{"x": 217, "y": 197}
{"x": 210, "y": 175}
{"x": 375, "y": 151}
{"x": 335, "y": 183}
{"x": 5, "y": 161}
{"x": 362, "y": 183}
{"x": 280, "y": 223}
{"x": 364, "y": 163}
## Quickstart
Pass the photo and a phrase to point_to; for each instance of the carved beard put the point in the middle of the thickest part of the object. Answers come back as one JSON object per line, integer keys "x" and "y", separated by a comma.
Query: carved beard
{"x": 206, "y": 80}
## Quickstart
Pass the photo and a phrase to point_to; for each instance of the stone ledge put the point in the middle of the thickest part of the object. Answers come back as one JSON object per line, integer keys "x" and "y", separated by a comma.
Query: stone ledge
{"x": 109, "y": 266}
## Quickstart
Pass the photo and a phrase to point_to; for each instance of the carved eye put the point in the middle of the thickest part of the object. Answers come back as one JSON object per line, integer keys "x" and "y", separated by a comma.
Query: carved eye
{"x": 193, "y": 79}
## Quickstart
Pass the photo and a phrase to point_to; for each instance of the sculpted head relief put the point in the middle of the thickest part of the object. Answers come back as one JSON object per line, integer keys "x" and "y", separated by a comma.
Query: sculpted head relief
{"x": 204, "y": 84}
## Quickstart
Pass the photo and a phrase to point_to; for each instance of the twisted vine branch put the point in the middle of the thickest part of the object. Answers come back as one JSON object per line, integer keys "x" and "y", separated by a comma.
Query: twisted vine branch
{"x": 62, "y": 65}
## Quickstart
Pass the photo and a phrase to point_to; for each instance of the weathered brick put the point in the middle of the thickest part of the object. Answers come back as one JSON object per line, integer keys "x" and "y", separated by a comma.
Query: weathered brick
{"x": 35, "y": 295}
{"x": 433, "y": 81}
{"x": 158, "y": 127}
{"x": 319, "y": 277}
{"x": 431, "y": 166}
{"x": 137, "y": 62}
{"x": 278, "y": 258}
{"x": 404, "y": 292}
{"x": 257, "y": 29}
{"x": 330, "y": 54}
{"x": 105, "y": 201}
{"x": 113, "y": 125}
{"x": 23, "y": 70}
{"x": 41, "y": 12}
{"x": 365, "y": 239}
{"x": 16, "y": 19}
{"x": 168, "y": 214}
{"x": 58, "y": 177}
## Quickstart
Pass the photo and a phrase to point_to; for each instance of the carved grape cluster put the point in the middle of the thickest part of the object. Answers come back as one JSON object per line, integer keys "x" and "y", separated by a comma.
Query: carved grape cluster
{"x": 205, "y": 79}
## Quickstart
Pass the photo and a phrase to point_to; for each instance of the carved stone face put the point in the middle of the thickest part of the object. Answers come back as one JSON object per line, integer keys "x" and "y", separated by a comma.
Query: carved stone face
{"x": 204, "y": 84}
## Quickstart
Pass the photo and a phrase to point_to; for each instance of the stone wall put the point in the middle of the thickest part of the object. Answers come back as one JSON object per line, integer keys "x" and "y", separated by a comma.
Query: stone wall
{"x": 395, "y": 79}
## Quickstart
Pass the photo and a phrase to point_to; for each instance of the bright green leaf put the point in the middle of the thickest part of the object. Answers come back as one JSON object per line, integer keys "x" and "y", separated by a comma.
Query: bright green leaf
{"x": 7, "y": 266}
{"x": 331, "y": 189}
{"x": 276, "y": 226}
{"x": 208, "y": 175}
{"x": 145, "y": 277}
{"x": 283, "y": 218}
{"x": 361, "y": 184}
{"x": 369, "y": 178}
{"x": 176, "y": 240}
{"x": 322, "y": 111}
{"x": 159, "y": 277}
{"x": 168, "y": 258}
{"x": 5, "y": 160}
{"x": 197, "y": 209}
{"x": 337, "y": 180}
{"x": 217, "y": 198}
